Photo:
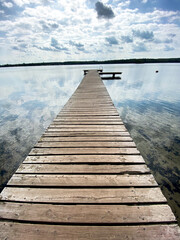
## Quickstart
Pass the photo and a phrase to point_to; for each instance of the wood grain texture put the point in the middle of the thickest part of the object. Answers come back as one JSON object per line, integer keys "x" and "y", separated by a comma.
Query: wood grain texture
{"x": 84, "y": 195}
{"x": 91, "y": 214}
{"x": 85, "y": 134}
{"x": 90, "y": 118}
{"x": 86, "y": 139}
{"x": 17, "y": 231}
{"x": 85, "y": 150}
{"x": 83, "y": 168}
{"x": 81, "y": 180}
{"x": 88, "y": 113}
{"x": 84, "y": 144}
{"x": 86, "y": 128}
{"x": 89, "y": 123}
{"x": 85, "y": 159}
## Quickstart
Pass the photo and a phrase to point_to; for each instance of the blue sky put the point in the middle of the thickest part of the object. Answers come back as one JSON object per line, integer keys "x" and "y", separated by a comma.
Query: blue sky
{"x": 63, "y": 30}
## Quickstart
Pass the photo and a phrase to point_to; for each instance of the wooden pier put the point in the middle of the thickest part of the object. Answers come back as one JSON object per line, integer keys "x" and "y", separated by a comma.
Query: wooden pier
{"x": 85, "y": 179}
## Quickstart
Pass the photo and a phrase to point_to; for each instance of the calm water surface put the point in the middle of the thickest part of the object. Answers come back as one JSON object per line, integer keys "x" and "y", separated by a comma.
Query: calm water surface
{"x": 148, "y": 103}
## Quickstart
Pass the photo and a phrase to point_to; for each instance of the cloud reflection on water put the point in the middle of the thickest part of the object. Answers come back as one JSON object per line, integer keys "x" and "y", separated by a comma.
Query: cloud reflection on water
{"x": 148, "y": 102}
{"x": 29, "y": 100}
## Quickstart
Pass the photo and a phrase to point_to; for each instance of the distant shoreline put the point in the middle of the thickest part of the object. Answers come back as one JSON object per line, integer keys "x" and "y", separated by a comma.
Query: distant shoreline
{"x": 120, "y": 61}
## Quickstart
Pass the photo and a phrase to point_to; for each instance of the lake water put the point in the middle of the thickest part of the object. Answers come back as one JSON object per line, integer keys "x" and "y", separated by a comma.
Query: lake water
{"x": 148, "y": 103}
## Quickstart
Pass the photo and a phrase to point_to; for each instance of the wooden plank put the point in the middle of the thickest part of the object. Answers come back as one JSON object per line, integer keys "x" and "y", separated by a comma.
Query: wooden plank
{"x": 90, "y": 214}
{"x": 109, "y": 73}
{"x": 85, "y": 180}
{"x": 111, "y": 78}
{"x": 85, "y": 150}
{"x": 86, "y": 139}
{"x": 93, "y": 127}
{"x": 102, "y": 73}
{"x": 85, "y": 134}
{"x": 89, "y": 110}
{"x": 86, "y": 121}
{"x": 85, "y": 104}
{"x": 59, "y": 123}
{"x": 89, "y": 118}
{"x": 89, "y": 107}
{"x": 83, "y": 168}
{"x": 85, "y": 159}
{"x": 87, "y": 114}
{"x": 89, "y": 101}
{"x": 102, "y": 94}
{"x": 87, "y": 129}
{"x": 88, "y": 126}
{"x": 93, "y": 106}
{"x": 84, "y": 144}
{"x": 84, "y": 195}
{"x": 90, "y": 92}
{"x": 100, "y": 99}
{"x": 17, "y": 231}
{"x": 93, "y": 100}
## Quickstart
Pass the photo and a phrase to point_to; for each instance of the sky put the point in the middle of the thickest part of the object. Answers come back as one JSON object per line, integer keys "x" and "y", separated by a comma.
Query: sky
{"x": 65, "y": 30}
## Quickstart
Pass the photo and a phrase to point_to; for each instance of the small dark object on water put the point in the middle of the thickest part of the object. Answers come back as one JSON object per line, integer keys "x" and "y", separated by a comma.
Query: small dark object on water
{"x": 157, "y": 71}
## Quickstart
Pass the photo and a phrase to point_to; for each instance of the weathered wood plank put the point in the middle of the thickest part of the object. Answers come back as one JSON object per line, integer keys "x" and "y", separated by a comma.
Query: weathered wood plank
{"x": 88, "y": 111}
{"x": 17, "y": 231}
{"x": 85, "y": 121}
{"x": 84, "y": 144}
{"x": 61, "y": 180}
{"x": 91, "y": 214}
{"x": 88, "y": 121}
{"x": 88, "y": 126}
{"x": 101, "y": 94}
{"x": 56, "y": 151}
{"x": 84, "y": 105}
{"x": 87, "y": 114}
{"x": 85, "y": 134}
{"x": 85, "y": 159}
{"x": 83, "y": 168}
{"x": 88, "y": 107}
{"x": 102, "y": 73}
{"x": 111, "y": 78}
{"x": 72, "y": 123}
{"x": 101, "y": 128}
{"x": 89, "y": 101}
{"x": 86, "y": 139}
{"x": 84, "y": 195}
{"x": 89, "y": 118}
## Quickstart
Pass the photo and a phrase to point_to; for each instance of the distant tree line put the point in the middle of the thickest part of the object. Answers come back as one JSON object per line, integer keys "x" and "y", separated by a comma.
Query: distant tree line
{"x": 120, "y": 61}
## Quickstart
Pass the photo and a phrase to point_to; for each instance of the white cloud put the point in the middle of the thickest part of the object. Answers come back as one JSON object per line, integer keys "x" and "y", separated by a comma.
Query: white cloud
{"x": 20, "y": 3}
{"x": 7, "y": 4}
{"x": 123, "y": 3}
{"x": 67, "y": 21}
